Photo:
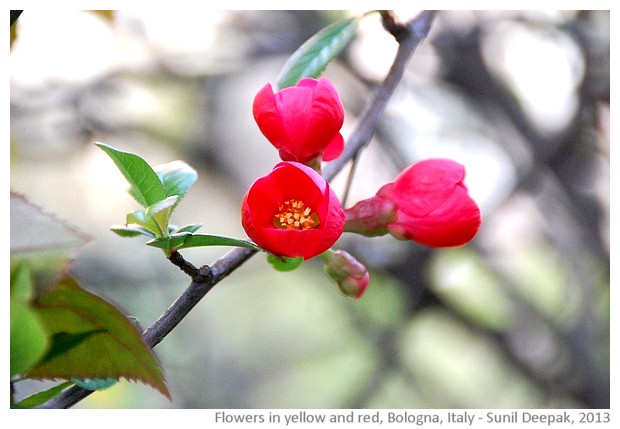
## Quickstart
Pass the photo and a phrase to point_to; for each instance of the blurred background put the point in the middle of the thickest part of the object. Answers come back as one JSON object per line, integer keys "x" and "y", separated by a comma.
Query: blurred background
{"x": 518, "y": 318}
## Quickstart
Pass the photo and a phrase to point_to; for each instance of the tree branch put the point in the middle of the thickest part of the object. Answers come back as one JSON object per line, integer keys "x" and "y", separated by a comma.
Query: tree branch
{"x": 417, "y": 30}
{"x": 206, "y": 277}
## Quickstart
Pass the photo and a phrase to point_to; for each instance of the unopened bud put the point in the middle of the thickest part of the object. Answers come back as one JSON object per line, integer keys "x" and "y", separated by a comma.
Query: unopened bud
{"x": 350, "y": 275}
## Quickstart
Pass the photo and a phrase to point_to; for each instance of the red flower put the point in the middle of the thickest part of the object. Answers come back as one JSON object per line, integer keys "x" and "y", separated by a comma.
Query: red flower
{"x": 303, "y": 122}
{"x": 292, "y": 212}
{"x": 428, "y": 202}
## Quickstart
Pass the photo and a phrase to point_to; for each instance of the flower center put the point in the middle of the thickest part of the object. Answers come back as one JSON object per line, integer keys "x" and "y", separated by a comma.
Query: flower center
{"x": 293, "y": 214}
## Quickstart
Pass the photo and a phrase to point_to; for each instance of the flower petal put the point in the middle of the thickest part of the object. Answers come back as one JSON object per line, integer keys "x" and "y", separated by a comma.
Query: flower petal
{"x": 292, "y": 181}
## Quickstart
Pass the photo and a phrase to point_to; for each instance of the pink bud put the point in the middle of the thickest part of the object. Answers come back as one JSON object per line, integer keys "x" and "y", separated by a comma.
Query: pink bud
{"x": 303, "y": 122}
{"x": 351, "y": 276}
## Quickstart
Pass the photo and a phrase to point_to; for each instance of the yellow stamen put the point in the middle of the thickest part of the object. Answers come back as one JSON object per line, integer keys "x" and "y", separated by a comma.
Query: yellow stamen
{"x": 293, "y": 215}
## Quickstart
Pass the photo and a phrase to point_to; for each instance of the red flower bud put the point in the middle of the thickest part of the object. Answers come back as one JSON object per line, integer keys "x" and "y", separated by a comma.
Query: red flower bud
{"x": 292, "y": 212}
{"x": 351, "y": 276}
{"x": 303, "y": 122}
{"x": 428, "y": 202}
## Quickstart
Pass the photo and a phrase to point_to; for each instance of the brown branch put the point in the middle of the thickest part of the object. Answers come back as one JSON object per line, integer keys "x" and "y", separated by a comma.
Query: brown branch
{"x": 205, "y": 278}
{"x": 417, "y": 30}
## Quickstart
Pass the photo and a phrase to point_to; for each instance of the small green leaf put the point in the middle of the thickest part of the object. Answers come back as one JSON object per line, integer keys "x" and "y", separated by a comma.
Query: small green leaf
{"x": 169, "y": 243}
{"x": 311, "y": 58}
{"x": 131, "y": 230}
{"x": 109, "y": 344}
{"x": 145, "y": 186}
{"x": 193, "y": 227}
{"x": 160, "y": 212}
{"x": 28, "y": 337}
{"x": 177, "y": 177}
{"x": 95, "y": 383}
{"x": 139, "y": 218}
{"x": 41, "y": 397}
{"x": 283, "y": 263}
{"x": 184, "y": 240}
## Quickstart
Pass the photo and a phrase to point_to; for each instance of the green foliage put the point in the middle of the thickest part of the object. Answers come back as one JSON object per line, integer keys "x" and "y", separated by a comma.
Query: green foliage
{"x": 176, "y": 177}
{"x": 184, "y": 239}
{"x": 42, "y": 241}
{"x": 311, "y": 58}
{"x": 94, "y": 383}
{"x": 28, "y": 338}
{"x": 159, "y": 190}
{"x": 58, "y": 330}
{"x": 91, "y": 339}
{"x": 283, "y": 263}
{"x": 145, "y": 186}
{"x": 41, "y": 397}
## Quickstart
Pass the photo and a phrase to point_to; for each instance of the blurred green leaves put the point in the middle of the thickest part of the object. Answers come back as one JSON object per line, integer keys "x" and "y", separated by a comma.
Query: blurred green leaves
{"x": 59, "y": 330}
{"x": 92, "y": 339}
{"x": 28, "y": 338}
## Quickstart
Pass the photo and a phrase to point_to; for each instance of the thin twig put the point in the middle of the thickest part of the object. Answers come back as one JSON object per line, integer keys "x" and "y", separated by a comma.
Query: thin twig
{"x": 367, "y": 125}
{"x": 15, "y": 16}
{"x": 207, "y": 277}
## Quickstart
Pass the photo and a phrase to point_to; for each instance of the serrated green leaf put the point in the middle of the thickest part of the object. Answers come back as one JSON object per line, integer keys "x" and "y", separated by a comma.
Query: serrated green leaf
{"x": 40, "y": 398}
{"x": 184, "y": 240}
{"x": 283, "y": 263}
{"x": 28, "y": 338}
{"x": 109, "y": 346}
{"x": 45, "y": 242}
{"x": 145, "y": 186}
{"x": 177, "y": 177}
{"x": 63, "y": 342}
{"x": 311, "y": 58}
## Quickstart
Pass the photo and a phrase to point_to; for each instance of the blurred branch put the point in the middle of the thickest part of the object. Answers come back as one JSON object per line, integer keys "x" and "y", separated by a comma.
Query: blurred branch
{"x": 205, "y": 278}
{"x": 418, "y": 29}
{"x": 15, "y": 15}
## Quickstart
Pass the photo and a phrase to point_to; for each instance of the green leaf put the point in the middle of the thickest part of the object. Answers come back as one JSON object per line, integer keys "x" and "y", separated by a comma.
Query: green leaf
{"x": 45, "y": 242}
{"x": 184, "y": 240}
{"x": 41, "y": 397}
{"x": 131, "y": 230}
{"x": 145, "y": 186}
{"x": 28, "y": 338}
{"x": 95, "y": 383}
{"x": 139, "y": 218}
{"x": 63, "y": 342}
{"x": 283, "y": 263}
{"x": 97, "y": 340}
{"x": 193, "y": 227}
{"x": 168, "y": 244}
{"x": 177, "y": 177}
{"x": 160, "y": 212}
{"x": 311, "y": 58}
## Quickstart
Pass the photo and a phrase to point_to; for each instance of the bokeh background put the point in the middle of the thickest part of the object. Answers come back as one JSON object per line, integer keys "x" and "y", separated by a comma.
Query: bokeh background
{"x": 518, "y": 318}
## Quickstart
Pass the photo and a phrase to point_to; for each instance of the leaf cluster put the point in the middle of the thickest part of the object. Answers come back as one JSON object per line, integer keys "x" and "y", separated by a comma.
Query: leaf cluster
{"x": 58, "y": 329}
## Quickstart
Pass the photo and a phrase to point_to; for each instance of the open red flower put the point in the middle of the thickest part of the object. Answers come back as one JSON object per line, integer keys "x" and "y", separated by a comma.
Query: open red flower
{"x": 428, "y": 202}
{"x": 303, "y": 122}
{"x": 293, "y": 212}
